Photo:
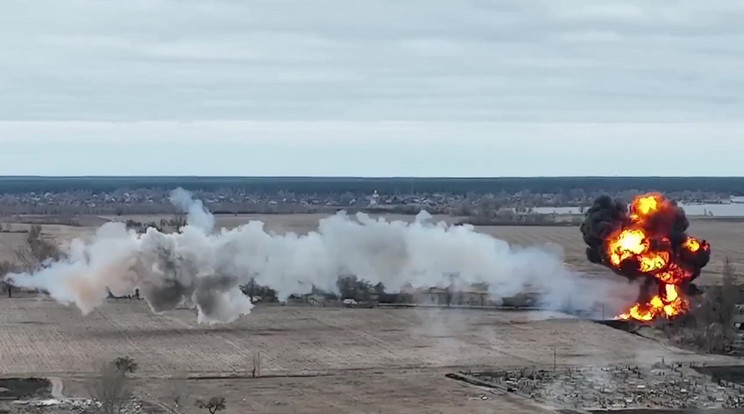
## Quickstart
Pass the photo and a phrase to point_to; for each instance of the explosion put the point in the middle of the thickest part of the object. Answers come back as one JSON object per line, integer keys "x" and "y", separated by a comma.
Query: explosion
{"x": 647, "y": 241}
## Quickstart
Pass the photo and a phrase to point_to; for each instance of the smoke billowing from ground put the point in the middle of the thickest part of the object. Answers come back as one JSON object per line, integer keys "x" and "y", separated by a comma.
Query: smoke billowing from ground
{"x": 204, "y": 267}
{"x": 647, "y": 241}
{"x": 661, "y": 221}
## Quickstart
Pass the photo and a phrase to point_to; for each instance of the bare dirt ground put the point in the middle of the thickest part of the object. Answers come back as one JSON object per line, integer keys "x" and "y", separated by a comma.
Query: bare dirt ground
{"x": 405, "y": 391}
{"x": 42, "y": 337}
{"x": 313, "y": 359}
{"x": 327, "y": 360}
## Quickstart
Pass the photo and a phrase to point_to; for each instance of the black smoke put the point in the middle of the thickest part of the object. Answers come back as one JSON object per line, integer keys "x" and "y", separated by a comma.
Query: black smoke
{"x": 666, "y": 230}
{"x": 603, "y": 218}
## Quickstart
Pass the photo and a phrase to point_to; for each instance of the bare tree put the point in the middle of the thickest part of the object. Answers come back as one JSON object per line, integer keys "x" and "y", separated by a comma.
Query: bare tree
{"x": 729, "y": 299}
{"x": 713, "y": 329}
{"x": 256, "y": 370}
{"x": 36, "y": 250}
{"x": 180, "y": 394}
{"x": 125, "y": 364}
{"x": 111, "y": 389}
{"x": 729, "y": 286}
{"x": 175, "y": 223}
{"x": 213, "y": 405}
{"x": 5, "y": 268}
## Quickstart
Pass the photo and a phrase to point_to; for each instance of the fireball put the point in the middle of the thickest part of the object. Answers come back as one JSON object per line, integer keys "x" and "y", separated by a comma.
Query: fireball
{"x": 647, "y": 240}
{"x": 668, "y": 305}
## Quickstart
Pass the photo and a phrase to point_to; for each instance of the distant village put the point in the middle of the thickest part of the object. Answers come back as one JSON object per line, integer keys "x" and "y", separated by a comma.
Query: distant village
{"x": 236, "y": 201}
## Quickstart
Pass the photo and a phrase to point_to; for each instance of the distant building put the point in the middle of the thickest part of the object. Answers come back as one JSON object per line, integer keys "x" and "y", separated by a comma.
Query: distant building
{"x": 374, "y": 200}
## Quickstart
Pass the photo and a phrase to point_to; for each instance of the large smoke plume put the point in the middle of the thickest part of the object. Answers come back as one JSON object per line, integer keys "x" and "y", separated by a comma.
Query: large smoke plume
{"x": 664, "y": 226}
{"x": 647, "y": 240}
{"x": 203, "y": 267}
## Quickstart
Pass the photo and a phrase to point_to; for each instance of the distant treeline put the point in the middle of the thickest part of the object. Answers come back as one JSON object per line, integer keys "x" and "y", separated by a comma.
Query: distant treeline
{"x": 537, "y": 220}
{"x": 320, "y": 185}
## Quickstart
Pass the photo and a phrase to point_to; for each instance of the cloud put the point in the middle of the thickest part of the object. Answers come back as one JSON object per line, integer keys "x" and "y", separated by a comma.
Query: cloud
{"x": 369, "y": 148}
{"x": 372, "y": 60}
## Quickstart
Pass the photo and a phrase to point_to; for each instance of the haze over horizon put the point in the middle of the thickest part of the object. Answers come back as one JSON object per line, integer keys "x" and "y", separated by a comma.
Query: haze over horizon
{"x": 372, "y": 88}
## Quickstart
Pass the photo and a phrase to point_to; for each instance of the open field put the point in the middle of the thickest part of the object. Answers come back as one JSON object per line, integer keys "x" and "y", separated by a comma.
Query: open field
{"x": 40, "y": 336}
{"x": 352, "y": 360}
{"x": 321, "y": 360}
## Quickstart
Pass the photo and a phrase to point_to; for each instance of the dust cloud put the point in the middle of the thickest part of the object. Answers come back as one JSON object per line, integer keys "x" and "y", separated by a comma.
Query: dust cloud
{"x": 204, "y": 267}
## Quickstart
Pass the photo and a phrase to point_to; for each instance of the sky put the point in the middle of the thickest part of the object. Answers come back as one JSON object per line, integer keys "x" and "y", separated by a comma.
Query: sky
{"x": 372, "y": 87}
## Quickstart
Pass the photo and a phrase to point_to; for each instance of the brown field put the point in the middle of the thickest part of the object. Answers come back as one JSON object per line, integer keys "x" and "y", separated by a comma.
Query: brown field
{"x": 353, "y": 360}
{"x": 323, "y": 360}
{"x": 42, "y": 337}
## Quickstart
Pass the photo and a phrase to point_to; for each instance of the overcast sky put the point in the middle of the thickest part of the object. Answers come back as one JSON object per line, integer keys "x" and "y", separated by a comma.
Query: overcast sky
{"x": 372, "y": 87}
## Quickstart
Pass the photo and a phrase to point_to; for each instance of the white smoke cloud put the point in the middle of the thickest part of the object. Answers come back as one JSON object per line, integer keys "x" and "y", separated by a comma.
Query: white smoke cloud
{"x": 198, "y": 215}
{"x": 204, "y": 268}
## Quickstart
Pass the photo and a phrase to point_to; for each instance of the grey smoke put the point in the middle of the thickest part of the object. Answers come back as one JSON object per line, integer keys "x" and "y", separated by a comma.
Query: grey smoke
{"x": 203, "y": 268}
{"x": 198, "y": 215}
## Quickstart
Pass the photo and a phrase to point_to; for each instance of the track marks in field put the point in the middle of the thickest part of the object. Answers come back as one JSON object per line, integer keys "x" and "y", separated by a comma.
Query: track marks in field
{"x": 46, "y": 338}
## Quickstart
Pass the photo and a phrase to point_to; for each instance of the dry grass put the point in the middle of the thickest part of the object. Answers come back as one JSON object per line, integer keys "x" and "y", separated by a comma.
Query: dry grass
{"x": 347, "y": 360}
{"x": 40, "y": 336}
{"x": 406, "y": 391}
{"x": 377, "y": 360}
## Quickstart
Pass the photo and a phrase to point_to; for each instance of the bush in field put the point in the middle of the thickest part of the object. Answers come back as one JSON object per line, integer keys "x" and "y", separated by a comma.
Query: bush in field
{"x": 112, "y": 388}
{"x": 125, "y": 364}
{"x": 36, "y": 251}
{"x": 213, "y": 405}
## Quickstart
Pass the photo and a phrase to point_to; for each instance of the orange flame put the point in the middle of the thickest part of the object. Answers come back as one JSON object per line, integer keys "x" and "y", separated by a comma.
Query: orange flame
{"x": 647, "y": 204}
{"x": 692, "y": 244}
{"x": 654, "y": 261}
{"x": 627, "y": 244}
{"x": 652, "y": 255}
{"x": 668, "y": 304}
{"x": 633, "y": 243}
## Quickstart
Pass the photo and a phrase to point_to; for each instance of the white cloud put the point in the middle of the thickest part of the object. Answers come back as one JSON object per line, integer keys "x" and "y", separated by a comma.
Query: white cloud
{"x": 370, "y": 60}
{"x": 371, "y": 87}
{"x": 344, "y": 148}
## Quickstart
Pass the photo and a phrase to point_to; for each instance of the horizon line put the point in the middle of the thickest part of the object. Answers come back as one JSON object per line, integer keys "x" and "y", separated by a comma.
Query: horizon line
{"x": 2, "y": 177}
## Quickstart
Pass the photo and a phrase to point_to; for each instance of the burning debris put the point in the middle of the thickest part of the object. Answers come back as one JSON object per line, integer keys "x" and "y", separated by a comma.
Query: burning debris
{"x": 647, "y": 242}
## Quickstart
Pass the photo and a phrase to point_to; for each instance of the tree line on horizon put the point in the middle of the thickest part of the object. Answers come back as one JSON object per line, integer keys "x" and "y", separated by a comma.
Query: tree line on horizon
{"x": 402, "y": 185}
